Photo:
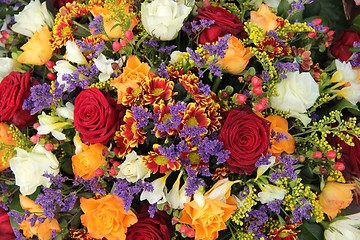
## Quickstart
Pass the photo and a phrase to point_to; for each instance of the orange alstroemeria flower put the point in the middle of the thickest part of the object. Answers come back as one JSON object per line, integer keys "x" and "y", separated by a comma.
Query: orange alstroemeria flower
{"x": 42, "y": 230}
{"x": 237, "y": 56}
{"x": 91, "y": 158}
{"x": 335, "y": 196}
{"x": 106, "y": 217}
{"x": 279, "y": 124}
{"x": 264, "y": 18}
{"x": 37, "y": 50}
{"x": 133, "y": 73}
{"x": 7, "y": 139}
{"x": 111, "y": 31}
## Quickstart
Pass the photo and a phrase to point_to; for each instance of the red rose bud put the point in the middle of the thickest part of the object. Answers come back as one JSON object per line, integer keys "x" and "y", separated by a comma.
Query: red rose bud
{"x": 50, "y": 64}
{"x": 51, "y": 76}
{"x": 339, "y": 166}
{"x": 129, "y": 35}
{"x": 48, "y": 147}
{"x": 317, "y": 21}
{"x": 36, "y": 125}
{"x": 116, "y": 46}
{"x": 312, "y": 34}
{"x": 258, "y": 90}
{"x": 182, "y": 229}
{"x": 123, "y": 42}
{"x": 116, "y": 163}
{"x": 241, "y": 98}
{"x": 34, "y": 139}
{"x": 255, "y": 81}
{"x": 331, "y": 154}
{"x": 112, "y": 172}
{"x": 99, "y": 172}
{"x": 317, "y": 154}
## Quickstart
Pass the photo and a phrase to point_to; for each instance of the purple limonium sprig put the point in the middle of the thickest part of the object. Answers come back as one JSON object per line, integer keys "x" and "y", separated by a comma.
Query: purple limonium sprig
{"x": 287, "y": 170}
{"x": 208, "y": 148}
{"x": 167, "y": 49}
{"x": 299, "y": 6}
{"x": 302, "y": 211}
{"x": 204, "y": 89}
{"x": 97, "y": 25}
{"x": 82, "y": 77}
{"x": 95, "y": 50}
{"x": 261, "y": 217}
{"x": 193, "y": 182}
{"x": 276, "y": 37}
{"x": 162, "y": 71}
{"x": 275, "y": 206}
{"x": 151, "y": 43}
{"x": 56, "y": 180}
{"x": 152, "y": 210}
{"x": 17, "y": 217}
{"x": 18, "y": 235}
{"x": 266, "y": 76}
{"x": 354, "y": 60}
{"x": 169, "y": 152}
{"x": 90, "y": 185}
{"x": 263, "y": 160}
{"x": 49, "y": 200}
{"x": 192, "y": 132}
{"x": 141, "y": 115}
{"x": 195, "y": 27}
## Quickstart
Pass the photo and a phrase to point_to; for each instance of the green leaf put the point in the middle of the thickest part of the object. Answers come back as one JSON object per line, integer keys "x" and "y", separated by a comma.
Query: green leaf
{"x": 356, "y": 24}
{"x": 312, "y": 231}
{"x": 345, "y": 104}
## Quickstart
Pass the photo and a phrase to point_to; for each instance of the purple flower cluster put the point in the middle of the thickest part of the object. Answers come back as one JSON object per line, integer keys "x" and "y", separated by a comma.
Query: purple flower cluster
{"x": 94, "y": 50}
{"x": 302, "y": 211}
{"x": 204, "y": 89}
{"x": 266, "y": 76}
{"x": 275, "y": 206}
{"x": 90, "y": 185}
{"x": 261, "y": 217}
{"x": 82, "y": 77}
{"x": 175, "y": 120}
{"x": 298, "y": 6}
{"x": 276, "y": 37}
{"x": 162, "y": 71}
{"x": 141, "y": 115}
{"x": 97, "y": 25}
{"x": 151, "y": 43}
{"x": 195, "y": 27}
{"x": 354, "y": 60}
{"x": 167, "y": 49}
{"x": 263, "y": 160}
{"x": 287, "y": 170}
{"x": 193, "y": 182}
{"x": 152, "y": 210}
{"x": 49, "y": 200}
{"x": 208, "y": 148}
{"x": 56, "y": 180}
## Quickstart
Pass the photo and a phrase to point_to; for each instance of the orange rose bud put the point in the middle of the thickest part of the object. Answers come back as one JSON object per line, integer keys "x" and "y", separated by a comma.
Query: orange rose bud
{"x": 335, "y": 196}
{"x": 7, "y": 139}
{"x": 37, "y": 50}
{"x": 88, "y": 161}
{"x": 106, "y": 217}
{"x": 237, "y": 56}
{"x": 264, "y": 18}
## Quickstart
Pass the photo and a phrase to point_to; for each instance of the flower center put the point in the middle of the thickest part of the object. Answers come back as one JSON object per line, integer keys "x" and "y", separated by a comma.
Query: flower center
{"x": 192, "y": 122}
{"x": 194, "y": 158}
{"x": 158, "y": 91}
{"x": 136, "y": 92}
{"x": 161, "y": 160}
{"x": 166, "y": 117}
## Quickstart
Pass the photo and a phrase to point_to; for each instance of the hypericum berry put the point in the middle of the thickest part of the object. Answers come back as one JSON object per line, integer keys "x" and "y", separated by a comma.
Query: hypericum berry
{"x": 50, "y": 64}
{"x": 241, "y": 98}
{"x": 255, "y": 81}
{"x": 116, "y": 163}
{"x": 302, "y": 158}
{"x": 116, "y": 150}
{"x": 190, "y": 233}
{"x": 258, "y": 90}
{"x": 339, "y": 166}
{"x": 34, "y": 139}
{"x": 129, "y": 35}
{"x": 123, "y": 42}
{"x": 182, "y": 229}
{"x": 112, "y": 172}
{"x": 166, "y": 207}
{"x": 225, "y": 94}
{"x": 36, "y": 125}
{"x": 317, "y": 21}
{"x": 99, "y": 172}
{"x": 51, "y": 76}
{"x": 317, "y": 154}
{"x": 2, "y": 40}
{"x": 259, "y": 107}
{"x": 49, "y": 146}
{"x": 312, "y": 34}
{"x": 323, "y": 170}
{"x": 331, "y": 154}
{"x": 116, "y": 46}
{"x": 5, "y": 34}
{"x": 105, "y": 152}
{"x": 264, "y": 101}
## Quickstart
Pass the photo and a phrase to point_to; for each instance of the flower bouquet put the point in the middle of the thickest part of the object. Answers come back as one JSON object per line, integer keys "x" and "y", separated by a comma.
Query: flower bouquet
{"x": 182, "y": 119}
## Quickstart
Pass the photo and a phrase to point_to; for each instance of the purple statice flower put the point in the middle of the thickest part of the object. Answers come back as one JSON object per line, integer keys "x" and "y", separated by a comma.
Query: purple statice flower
{"x": 169, "y": 152}
{"x": 193, "y": 182}
{"x": 141, "y": 115}
{"x": 89, "y": 185}
{"x": 276, "y": 37}
{"x": 18, "y": 235}
{"x": 3, "y": 188}
{"x": 69, "y": 202}
{"x": 214, "y": 68}
{"x": 82, "y": 77}
{"x": 196, "y": 57}
{"x": 175, "y": 120}
{"x": 208, "y": 148}
{"x": 32, "y": 220}
{"x": 192, "y": 132}
{"x": 266, "y": 76}
{"x": 219, "y": 48}
{"x": 49, "y": 200}
{"x": 56, "y": 180}
{"x": 278, "y": 136}
{"x": 152, "y": 210}
{"x": 260, "y": 216}
{"x": 126, "y": 191}
{"x": 4, "y": 206}
{"x": 17, "y": 217}
{"x": 167, "y": 49}
{"x": 318, "y": 28}
{"x": 53, "y": 234}
{"x": 151, "y": 43}
{"x": 244, "y": 193}
{"x": 287, "y": 67}
{"x": 354, "y": 60}
{"x": 246, "y": 92}
{"x": 263, "y": 160}
{"x": 302, "y": 211}
{"x": 41, "y": 220}
{"x": 204, "y": 171}
{"x": 97, "y": 25}
{"x": 195, "y": 27}
{"x": 314, "y": 116}
{"x": 182, "y": 147}
{"x": 41, "y": 97}
{"x": 298, "y": 6}
{"x": 162, "y": 71}
{"x": 287, "y": 170}
{"x": 204, "y": 89}
{"x": 94, "y": 50}
{"x": 275, "y": 206}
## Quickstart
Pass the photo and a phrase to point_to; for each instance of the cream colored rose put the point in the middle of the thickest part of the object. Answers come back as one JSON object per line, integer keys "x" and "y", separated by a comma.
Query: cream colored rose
{"x": 7, "y": 65}
{"x": 163, "y": 18}
{"x": 29, "y": 168}
{"x": 297, "y": 92}
{"x": 347, "y": 228}
{"x": 32, "y": 18}
{"x": 133, "y": 168}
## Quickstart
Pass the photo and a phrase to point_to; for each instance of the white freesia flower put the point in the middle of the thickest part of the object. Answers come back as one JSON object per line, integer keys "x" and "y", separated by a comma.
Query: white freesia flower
{"x": 133, "y": 169}
{"x": 158, "y": 195}
{"x": 53, "y": 125}
{"x": 263, "y": 168}
{"x": 32, "y": 18}
{"x": 270, "y": 193}
{"x": 74, "y": 54}
{"x": 175, "y": 56}
{"x": 163, "y": 18}
{"x": 7, "y": 65}
{"x": 67, "y": 111}
{"x": 78, "y": 144}
{"x": 105, "y": 66}
{"x": 344, "y": 228}
{"x": 29, "y": 167}
{"x": 297, "y": 92}
{"x": 63, "y": 67}
{"x": 177, "y": 196}
{"x": 221, "y": 190}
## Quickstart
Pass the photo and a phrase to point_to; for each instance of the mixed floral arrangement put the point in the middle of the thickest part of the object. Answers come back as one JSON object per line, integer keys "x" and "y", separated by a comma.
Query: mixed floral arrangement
{"x": 179, "y": 119}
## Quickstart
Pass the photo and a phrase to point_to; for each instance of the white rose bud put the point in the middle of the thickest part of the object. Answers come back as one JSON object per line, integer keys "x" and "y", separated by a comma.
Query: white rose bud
{"x": 133, "y": 169}
{"x": 163, "y": 18}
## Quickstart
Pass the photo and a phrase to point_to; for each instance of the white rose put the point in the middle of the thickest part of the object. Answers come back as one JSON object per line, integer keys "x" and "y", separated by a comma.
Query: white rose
{"x": 133, "y": 169}
{"x": 32, "y": 18}
{"x": 344, "y": 229}
{"x": 7, "y": 65}
{"x": 29, "y": 167}
{"x": 297, "y": 92}
{"x": 163, "y": 18}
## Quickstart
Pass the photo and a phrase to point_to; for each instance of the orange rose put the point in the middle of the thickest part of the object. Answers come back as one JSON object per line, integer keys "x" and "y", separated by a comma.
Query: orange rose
{"x": 7, "y": 139}
{"x": 91, "y": 158}
{"x": 106, "y": 217}
{"x": 37, "y": 50}
{"x": 209, "y": 219}
{"x": 43, "y": 230}
{"x": 335, "y": 196}
{"x": 237, "y": 56}
{"x": 111, "y": 31}
{"x": 279, "y": 124}
{"x": 133, "y": 73}
{"x": 265, "y": 18}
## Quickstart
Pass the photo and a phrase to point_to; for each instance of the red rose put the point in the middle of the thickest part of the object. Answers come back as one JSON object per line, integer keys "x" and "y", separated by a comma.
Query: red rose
{"x": 247, "y": 136}
{"x": 14, "y": 89}
{"x": 350, "y": 155}
{"x": 157, "y": 228}
{"x": 340, "y": 48}
{"x": 225, "y": 23}
{"x": 6, "y": 232}
{"x": 96, "y": 116}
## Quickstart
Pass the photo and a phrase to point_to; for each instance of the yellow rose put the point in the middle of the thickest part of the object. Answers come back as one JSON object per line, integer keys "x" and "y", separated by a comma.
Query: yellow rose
{"x": 37, "y": 50}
